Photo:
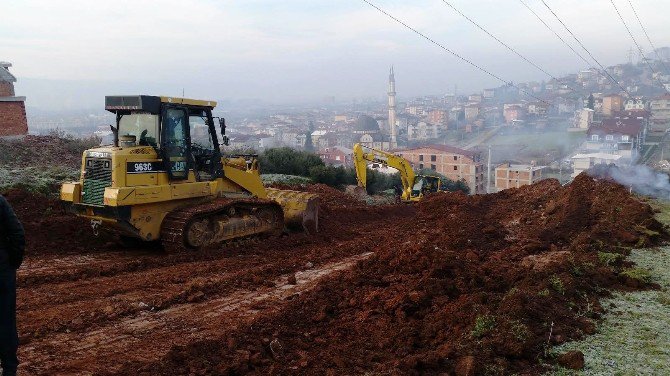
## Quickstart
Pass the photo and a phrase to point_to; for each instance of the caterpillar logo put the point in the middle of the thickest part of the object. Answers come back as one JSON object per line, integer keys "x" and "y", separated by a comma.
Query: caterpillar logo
{"x": 99, "y": 154}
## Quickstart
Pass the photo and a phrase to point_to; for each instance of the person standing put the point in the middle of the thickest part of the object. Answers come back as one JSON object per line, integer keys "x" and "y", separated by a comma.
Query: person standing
{"x": 12, "y": 245}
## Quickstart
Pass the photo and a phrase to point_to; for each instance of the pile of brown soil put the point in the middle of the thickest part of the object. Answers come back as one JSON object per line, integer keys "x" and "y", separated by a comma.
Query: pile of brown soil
{"x": 50, "y": 229}
{"x": 44, "y": 151}
{"x": 477, "y": 284}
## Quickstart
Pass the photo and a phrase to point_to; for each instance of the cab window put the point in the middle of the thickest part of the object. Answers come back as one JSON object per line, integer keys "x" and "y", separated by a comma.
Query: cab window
{"x": 144, "y": 126}
{"x": 200, "y": 136}
{"x": 175, "y": 145}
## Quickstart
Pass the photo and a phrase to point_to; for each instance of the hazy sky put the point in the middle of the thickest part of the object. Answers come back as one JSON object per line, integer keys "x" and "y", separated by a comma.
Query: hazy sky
{"x": 74, "y": 52}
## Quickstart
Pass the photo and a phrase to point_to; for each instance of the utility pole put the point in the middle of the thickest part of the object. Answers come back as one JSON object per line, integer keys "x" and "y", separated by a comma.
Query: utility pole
{"x": 488, "y": 173}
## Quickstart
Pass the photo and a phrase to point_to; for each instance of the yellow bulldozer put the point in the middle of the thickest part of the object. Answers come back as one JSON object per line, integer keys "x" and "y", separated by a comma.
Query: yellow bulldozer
{"x": 166, "y": 178}
{"x": 414, "y": 187}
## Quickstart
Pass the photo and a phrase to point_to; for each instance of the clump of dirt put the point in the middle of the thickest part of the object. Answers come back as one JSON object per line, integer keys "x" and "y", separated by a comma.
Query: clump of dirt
{"x": 50, "y": 229}
{"x": 479, "y": 283}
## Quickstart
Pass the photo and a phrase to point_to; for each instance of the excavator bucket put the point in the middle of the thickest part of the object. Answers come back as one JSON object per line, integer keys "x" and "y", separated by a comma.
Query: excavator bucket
{"x": 301, "y": 209}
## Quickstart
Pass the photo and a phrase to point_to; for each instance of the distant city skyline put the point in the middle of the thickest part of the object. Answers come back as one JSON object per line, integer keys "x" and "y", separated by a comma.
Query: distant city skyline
{"x": 70, "y": 54}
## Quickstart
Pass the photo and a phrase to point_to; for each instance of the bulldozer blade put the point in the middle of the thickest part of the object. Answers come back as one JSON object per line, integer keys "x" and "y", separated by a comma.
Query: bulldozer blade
{"x": 301, "y": 209}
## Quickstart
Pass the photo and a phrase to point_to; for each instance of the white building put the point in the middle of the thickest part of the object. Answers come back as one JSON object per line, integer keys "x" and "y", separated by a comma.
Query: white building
{"x": 422, "y": 131}
{"x": 583, "y": 162}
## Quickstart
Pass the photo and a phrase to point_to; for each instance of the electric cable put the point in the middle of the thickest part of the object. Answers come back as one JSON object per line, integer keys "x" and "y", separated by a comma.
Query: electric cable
{"x": 453, "y": 52}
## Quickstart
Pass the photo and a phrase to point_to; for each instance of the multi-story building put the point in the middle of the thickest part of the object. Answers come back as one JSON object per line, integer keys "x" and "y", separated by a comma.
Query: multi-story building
{"x": 660, "y": 112}
{"x": 422, "y": 131}
{"x": 13, "y": 121}
{"x": 471, "y": 112}
{"x": 623, "y": 137}
{"x": 454, "y": 163}
{"x": 583, "y": 118}
{"x": 514, "y": 113}
{"x": 337, "y": 156}
{"x": 516, "y": 175}
{"x": 438, "y": 116}
{"x": 637, "y": 103}
{"x": 612, "y": 103}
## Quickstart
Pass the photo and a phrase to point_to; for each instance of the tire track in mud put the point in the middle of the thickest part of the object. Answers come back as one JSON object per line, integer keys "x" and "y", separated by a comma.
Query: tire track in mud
{"x": 150, "y": 335}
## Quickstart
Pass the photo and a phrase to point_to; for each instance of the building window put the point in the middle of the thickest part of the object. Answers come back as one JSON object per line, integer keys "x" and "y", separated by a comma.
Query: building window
{"x": 594, "y": 137}
{"x": 433, "y": 158}
{"x": 609, "y": 137}
{"x": 624, "y": 138}
{"x": 421, "y": 157}
{"x": 455, "y": 157}
{"x": 420, "y": 166}
{"x": 455, "y": 168}
{"x": 433, "y": 167}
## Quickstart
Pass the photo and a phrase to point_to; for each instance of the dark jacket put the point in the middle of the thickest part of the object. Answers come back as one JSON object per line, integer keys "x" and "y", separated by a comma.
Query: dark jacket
{"x": 12, "y": 237}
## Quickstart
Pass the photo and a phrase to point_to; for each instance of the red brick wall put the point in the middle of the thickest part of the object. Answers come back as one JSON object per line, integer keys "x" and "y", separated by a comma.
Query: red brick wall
{"x": 13, "y": 120}
{"x": 6, "y": 89}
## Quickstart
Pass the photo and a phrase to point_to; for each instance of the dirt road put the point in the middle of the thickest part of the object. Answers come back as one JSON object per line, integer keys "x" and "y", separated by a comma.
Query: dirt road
{"x": 81, "y": 310}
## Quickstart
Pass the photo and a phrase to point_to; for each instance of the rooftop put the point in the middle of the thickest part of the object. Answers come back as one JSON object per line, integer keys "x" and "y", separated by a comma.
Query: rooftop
{"x": 630, "y": 127}
{"x": 4, "y": 72}
{"x": 442, "y": 148}
{"x": 613, "y": 157}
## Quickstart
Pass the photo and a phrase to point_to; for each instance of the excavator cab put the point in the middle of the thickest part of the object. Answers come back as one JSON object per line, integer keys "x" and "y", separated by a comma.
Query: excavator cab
{"x": 424, "y": 185}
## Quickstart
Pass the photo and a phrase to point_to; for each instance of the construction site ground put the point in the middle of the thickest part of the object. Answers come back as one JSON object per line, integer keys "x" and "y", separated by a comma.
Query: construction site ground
{"x": 455, "y": 284}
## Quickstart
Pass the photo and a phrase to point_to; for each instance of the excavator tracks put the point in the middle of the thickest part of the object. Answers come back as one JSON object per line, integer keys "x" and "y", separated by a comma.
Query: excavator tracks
{"x": 219, "y": 221}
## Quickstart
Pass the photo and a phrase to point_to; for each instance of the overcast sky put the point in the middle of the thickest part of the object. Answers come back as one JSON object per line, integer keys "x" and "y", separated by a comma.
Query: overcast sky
{"x": 71, "y": 53}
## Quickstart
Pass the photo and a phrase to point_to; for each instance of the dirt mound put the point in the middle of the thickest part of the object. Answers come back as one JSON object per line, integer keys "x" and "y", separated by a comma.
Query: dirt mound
{"x": 44, "y": 151}
{"x": 485, "y": 282}
{"x": 50, "y": 229}
{"x": 332, "y": 198}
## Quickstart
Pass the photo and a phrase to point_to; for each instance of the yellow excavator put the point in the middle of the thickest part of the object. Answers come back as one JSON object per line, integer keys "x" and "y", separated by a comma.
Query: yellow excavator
{"x": 165, "y": 178}
{"x": 414, "y": 187}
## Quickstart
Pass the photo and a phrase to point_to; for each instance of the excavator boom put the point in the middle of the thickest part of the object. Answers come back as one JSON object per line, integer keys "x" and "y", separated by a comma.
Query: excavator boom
{"x": 413, "y": 186}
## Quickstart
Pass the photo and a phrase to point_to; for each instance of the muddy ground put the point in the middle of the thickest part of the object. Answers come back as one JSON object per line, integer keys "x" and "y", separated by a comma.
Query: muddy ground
{"x": 456, "y": 284}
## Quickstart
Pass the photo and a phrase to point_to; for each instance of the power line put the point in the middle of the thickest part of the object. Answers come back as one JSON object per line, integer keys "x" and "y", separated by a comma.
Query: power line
{"x": 506, "y": 45}
{"x": 452, "y": 52}
{"x": 588, "y": 63}
{"x": 585, "y": 49}
{"x": 653, "y": 72}
{"x": 556, "y": 34}
{"x": 649, "y": 39}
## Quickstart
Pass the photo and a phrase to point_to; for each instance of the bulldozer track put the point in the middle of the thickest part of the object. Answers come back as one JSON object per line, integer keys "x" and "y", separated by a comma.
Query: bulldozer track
{"x": 173, "y": 236}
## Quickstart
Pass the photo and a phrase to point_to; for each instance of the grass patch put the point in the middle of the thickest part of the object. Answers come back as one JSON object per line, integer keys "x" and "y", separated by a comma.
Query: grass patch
{"x": 44, "y": 180}
{"x": 632, "y": 338}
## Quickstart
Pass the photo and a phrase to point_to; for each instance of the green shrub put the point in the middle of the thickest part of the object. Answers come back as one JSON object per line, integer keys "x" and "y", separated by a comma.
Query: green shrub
{"x": 638, "y": 274}
{"x": 609, "y": 259}
{"x": 557, "y": 284}
{"x": 519, "y": 330}
{"x": 483, "y": 325}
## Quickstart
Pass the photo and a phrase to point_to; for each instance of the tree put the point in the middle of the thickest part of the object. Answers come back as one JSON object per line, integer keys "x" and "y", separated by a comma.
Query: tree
{"x": 288, "y": 161}
{"x": 591, "y": 102}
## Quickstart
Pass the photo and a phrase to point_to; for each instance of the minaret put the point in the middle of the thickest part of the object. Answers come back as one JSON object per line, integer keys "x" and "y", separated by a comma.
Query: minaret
{"x": 392, "y": 124}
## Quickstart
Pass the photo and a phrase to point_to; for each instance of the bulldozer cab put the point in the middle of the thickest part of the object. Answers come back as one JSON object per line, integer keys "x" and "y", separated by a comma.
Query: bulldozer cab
{"x": 181, "y": 131}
